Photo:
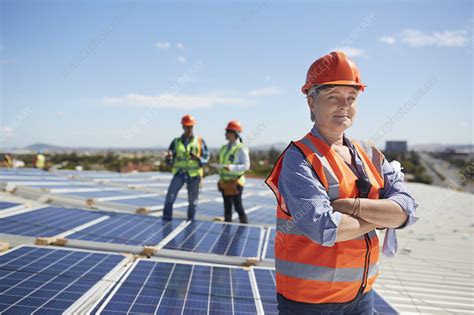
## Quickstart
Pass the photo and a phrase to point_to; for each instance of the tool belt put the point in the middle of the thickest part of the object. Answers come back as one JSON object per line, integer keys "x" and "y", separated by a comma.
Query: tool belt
{"x": 228, "y": 187}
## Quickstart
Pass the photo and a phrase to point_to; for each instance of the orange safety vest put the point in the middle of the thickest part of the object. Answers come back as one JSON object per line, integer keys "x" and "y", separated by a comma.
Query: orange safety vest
{"x": 307, "y": 271}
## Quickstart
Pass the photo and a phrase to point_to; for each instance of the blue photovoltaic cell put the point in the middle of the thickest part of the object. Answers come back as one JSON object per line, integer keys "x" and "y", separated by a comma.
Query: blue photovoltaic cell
{"x": 218, "y": 238}
{"x": 7, "y": 205}
{"x": 263, "y": 215}
{"x": 210, "y": 194}
{"x": 46, "y": 222}
{"x": 49, "y": 280}
{"x": 100, "y": 194}
{"x": 168, "y": 288}
{"x": 382, "y": 307}
{"x": 60, "y": 181}
{"x": 270, "y": 252}
{"x": 211, "y": 209}
{"x": 128, "y": 229}
{"x": 68, "y": 186}
{"x": 145, "y": 202}
{"x": 256, "y": 199}
{"x": 266, "y": 283}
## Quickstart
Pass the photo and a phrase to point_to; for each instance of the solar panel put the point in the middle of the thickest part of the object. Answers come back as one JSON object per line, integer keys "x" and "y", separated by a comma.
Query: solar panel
{"x": 46, "y": 222}
{"x": 173, "y": 288}
{"x": 263, "y": 215}
{"x": 218, "y": 238}
{"x": 49, "y": 280}
{"x": 128, "y": 229}
{"x": 65, "y": 186}
{"x": 266, "y": 283}
{"x": 145, "y": 202}
{"x": 210, "y": 209}
{"x": 8, "y": 205}
{"x": 99, "y": 194}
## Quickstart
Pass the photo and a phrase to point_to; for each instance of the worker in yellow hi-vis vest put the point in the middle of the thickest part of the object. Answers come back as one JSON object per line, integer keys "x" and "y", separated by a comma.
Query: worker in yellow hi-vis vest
{"x": 233, "y": 162}
{"x": 40, "y": 160}
{"x": 187, "y": 154}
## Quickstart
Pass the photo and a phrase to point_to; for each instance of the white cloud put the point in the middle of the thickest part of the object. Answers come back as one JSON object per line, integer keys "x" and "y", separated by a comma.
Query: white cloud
{"x": 181, "y": 59}
{"x": 268, "y": 91}
{"x": 180, "y": 46}
{"x": 390, "y": 40}
{"x": 180, "y": 101}
{"x": 163, "y": 45}
{"x": 352, "y": 51}
{"x": 417, "y": 38}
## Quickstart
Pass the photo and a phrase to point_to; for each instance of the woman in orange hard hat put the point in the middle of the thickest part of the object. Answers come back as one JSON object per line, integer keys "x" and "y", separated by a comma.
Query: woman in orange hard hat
{"x": 332, "y": 193}
{"x": 234, "y": 161}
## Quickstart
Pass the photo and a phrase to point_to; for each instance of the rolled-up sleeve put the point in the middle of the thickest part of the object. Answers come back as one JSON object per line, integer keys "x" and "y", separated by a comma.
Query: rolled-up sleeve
{"x": 242, "y": 161}
{"x": 204, "y": 155}
{"x": 396, "y": 190}
{"x": 307, "y": 200}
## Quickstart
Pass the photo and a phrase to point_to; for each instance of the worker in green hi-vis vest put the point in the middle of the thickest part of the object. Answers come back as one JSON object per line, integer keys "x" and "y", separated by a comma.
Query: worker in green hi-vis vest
{"x": 233, "y": 162}
{"x": 187, "y": 154}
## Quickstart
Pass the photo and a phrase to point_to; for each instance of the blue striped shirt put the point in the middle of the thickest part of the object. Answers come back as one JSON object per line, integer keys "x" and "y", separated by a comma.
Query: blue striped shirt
{"x": 303, "y": 192}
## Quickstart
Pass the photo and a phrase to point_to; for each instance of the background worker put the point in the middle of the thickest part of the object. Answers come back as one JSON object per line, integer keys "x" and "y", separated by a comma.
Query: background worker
{"x": 186, "y": 154}
{"x": 234, "y": 160}
{"x": 8, "y": 160}
{"x": 332, "y": 194}
{"x": 40, "y": 160}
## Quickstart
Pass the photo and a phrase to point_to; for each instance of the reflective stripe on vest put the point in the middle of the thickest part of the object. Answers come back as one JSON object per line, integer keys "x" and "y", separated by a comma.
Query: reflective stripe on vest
{"x": 182, "y": 159}
{"x": 307, "y": 271}
{"x": 225, "y": 155}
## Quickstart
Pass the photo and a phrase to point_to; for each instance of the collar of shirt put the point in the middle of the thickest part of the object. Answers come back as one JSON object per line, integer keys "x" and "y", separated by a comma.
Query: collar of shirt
{"x": 230, "y": 145}
{"x": 359, "y": 165}
{"x": 185, "y": 140}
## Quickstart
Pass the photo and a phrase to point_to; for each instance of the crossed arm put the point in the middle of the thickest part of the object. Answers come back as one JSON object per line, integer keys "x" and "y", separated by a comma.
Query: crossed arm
{"x": 326, "y": 223}
{"x": 373, "y": 214}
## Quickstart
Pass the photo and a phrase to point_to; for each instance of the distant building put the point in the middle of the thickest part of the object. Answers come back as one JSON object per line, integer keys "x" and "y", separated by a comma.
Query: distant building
{"x": 396, "y": 147}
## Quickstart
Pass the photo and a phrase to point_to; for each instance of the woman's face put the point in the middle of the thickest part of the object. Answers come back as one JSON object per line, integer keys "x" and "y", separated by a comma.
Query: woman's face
{"x": 231, "y": 136}
{"x": 335, "y": 108}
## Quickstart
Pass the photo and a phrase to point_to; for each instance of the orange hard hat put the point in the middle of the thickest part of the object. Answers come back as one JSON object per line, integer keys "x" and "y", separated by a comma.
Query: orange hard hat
{"x": 234, "y": 125}
{"x": 333, "y": 69}
{"x": 188, "y": 120}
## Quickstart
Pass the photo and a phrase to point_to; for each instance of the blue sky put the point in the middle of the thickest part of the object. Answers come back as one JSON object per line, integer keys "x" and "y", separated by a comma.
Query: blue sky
{"x": 121, "y": 74}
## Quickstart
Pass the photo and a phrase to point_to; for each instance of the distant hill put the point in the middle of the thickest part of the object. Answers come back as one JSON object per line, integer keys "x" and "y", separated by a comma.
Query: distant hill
{"x": 57, "y": 149}
{"x": 45, "y": 147}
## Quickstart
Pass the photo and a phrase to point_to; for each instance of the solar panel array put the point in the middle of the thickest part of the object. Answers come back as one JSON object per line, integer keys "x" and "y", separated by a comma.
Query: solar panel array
{"x": 194, "y": 266}
{"x": 128, "y": 229}
{"x": 47, "y": 280}
{"x": 218, "y": 238}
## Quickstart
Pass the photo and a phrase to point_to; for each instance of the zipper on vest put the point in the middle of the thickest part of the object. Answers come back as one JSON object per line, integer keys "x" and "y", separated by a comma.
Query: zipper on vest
{"x": 367, "y": 264}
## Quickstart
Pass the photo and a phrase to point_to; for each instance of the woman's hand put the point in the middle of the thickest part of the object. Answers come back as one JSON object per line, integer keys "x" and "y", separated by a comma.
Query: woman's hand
{"x": 349, "y": 206}
{"x": 383, "y": 213}
{"x": 344, "y": 205}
